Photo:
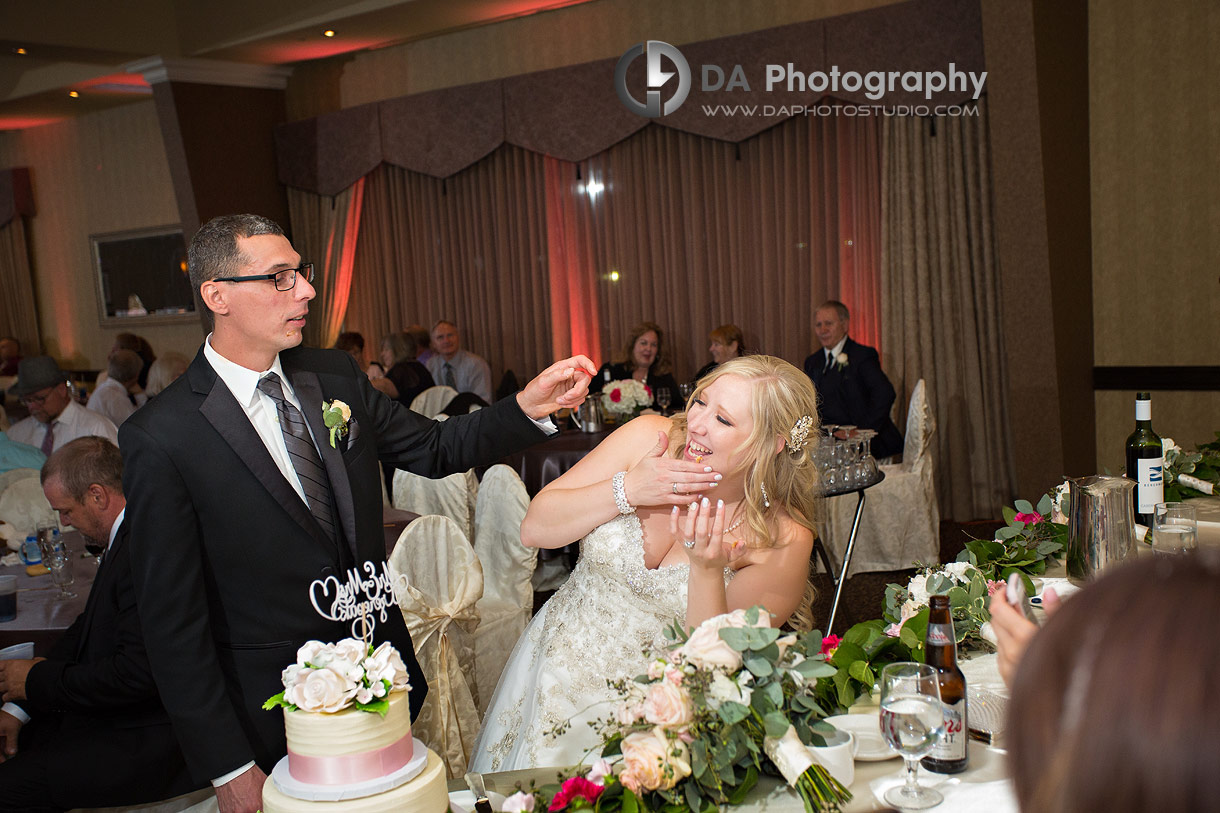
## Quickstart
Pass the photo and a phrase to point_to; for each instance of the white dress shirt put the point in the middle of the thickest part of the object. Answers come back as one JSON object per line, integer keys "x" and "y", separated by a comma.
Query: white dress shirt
{"x": 113, "y": 400}
{"x": 471, "y": 373}
{"x": 833, "y": 352}
{"x": 74, "y": 422}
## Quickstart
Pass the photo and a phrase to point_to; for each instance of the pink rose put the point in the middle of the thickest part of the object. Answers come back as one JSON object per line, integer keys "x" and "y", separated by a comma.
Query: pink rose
{"x": 667, "y": 705}
{"x": 829, "y": 644}
{"x": 652, "y": 761}
{"x": 705, "y": 649}
{"x": 616, "y": 395}
{"x": 576, "y": 787}
{"x": 519, "y": 802}
{"x": 600, "y": 769}
{"x": 1029, "y": 519}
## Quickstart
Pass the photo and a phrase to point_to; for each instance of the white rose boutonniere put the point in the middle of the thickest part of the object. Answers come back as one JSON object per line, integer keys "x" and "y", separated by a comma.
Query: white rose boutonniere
{"x": 841, "y": 361}
{"x": 336, "y": 415}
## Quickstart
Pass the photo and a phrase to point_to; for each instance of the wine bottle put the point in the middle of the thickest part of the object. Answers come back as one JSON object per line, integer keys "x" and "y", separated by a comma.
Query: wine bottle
{"x": 949, "y": 755}
{"x": 1145, "y": 462}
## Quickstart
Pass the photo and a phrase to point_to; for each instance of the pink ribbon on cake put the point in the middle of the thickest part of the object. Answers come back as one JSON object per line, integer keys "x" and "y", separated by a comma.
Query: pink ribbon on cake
{"x": 341, "y": 770}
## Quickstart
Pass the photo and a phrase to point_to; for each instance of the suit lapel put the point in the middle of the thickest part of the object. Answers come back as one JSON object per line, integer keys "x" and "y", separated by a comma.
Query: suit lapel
{"x": 309, "y": 393}
{"x": 221, "y": 410}
{"x": 99, "y": 587}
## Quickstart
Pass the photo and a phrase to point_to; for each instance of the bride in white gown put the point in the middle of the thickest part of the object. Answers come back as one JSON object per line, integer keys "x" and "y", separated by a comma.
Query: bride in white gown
{"x": 738, "y": 461}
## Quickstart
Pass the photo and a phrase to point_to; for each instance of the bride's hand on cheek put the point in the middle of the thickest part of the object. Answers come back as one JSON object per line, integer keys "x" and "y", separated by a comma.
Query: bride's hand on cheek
{"x": 662, "y": 480}
{"x": 701, "y": 533}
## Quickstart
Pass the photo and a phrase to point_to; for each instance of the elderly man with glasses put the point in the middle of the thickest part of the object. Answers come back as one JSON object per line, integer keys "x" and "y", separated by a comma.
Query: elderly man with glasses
{"x": 55, "y": 417}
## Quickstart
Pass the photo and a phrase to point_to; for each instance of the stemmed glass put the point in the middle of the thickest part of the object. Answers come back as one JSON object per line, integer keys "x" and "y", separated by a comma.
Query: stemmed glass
{"x": 912, "y": 720}
{"x": 60, "y": 565}
{"x": 686, "y": 389}
{"x": 664, "y": 399}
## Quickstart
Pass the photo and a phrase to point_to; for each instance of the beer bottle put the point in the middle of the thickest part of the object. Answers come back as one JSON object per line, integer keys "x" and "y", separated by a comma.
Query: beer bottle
{"x": 940, "y": 650}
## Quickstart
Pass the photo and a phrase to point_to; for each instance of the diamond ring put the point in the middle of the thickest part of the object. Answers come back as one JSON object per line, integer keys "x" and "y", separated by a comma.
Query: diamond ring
{"x": 688, "y": 544}
{"x": 675, "y": 488}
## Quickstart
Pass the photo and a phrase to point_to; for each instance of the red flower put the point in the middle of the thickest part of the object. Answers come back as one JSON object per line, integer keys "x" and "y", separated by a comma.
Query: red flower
{"x": 576, "y": 787}
{"x": 616, "y": 395}
{"x": 1029, "y": 519}
{"x": 829, "y": 644}
{"x": 648, "y": 390}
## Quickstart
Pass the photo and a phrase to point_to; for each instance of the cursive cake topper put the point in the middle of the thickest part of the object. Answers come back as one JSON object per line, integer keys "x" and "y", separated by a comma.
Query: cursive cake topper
{"x": 357, "y": 599}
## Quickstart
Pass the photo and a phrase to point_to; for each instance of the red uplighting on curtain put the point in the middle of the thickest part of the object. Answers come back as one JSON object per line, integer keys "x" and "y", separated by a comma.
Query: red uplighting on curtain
{"x": 859, "y": 160}
{"x": 341, "y": 255}
{"x": 574, "y": 314}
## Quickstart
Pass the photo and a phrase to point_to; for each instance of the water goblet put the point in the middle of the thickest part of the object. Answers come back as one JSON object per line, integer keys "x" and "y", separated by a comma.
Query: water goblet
{"x": 1175, "y": 527}
{"x": 60, "y": 565}
{"x": 912, "y": 720}
{"x": 664, "y": 399}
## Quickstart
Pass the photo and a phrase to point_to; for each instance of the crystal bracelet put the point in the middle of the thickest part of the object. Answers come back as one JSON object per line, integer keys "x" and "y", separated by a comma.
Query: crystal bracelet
{"x": 620, "y": 494}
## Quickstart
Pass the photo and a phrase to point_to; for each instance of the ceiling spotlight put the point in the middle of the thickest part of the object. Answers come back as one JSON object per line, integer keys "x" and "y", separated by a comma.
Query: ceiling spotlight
{"x": 73, "y": 94}
{"x": 21, "y": 51}
{"x": 328, "y": 33}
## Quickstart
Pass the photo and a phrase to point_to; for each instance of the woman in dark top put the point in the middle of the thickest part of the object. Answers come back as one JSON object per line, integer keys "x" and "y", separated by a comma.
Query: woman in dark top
{"x": 405, "y": 377}
{"x": 646, "y": 361}
{"x": 727, "y": 343}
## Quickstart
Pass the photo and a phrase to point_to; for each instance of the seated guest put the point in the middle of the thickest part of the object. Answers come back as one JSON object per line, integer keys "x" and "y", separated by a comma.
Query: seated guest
{"x": 404, "y": 377}
{"x": 727, "y": 342}
{"x": 164, "y": 371}
{"x": 14, "y": 455}
{"x": 140, "y": 346}
{"x": 55, "y": 417}
{"x": 85, "y": 727}
{"x": 1100, "y": 722}
{"x": 352, "y": 343}
{"x": 120, "y": 394}
{"x": 454, "y": 367}
{"x": 423, "y": 342}
{"x": 852, "y": 389}
{"x": 10, "y": 355}
{"x": 645, "y": 361}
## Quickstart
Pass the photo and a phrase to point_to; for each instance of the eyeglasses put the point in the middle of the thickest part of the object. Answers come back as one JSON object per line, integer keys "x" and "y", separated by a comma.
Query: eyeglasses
{"x": 285, "y": 280}
{"x": 37, "y": 400}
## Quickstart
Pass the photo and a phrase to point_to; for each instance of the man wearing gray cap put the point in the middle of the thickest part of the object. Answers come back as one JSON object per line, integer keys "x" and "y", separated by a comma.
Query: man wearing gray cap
{"x": 55, "y": 417}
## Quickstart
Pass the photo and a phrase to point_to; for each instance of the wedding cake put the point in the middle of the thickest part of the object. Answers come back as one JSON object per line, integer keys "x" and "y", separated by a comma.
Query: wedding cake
{"x": 348, "y": 726}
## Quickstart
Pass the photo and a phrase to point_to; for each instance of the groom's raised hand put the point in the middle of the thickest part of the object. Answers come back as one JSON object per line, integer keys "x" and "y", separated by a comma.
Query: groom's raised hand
{"x": 563, "y": 385}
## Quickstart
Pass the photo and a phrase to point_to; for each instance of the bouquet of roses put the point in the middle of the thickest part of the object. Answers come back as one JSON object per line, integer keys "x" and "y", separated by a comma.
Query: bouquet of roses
{"x": 333, "y": 677}
{"x": 714, "y": 709}
{"x": 626, "y": 397}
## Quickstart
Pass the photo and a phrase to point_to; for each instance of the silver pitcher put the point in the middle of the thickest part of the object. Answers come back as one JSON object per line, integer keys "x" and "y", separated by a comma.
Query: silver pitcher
{"x": 1101, "y": 525}
{"x": 590, "y": 416}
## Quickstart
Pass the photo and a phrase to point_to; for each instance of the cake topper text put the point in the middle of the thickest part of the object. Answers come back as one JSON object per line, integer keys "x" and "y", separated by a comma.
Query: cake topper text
{"x": 357, "y": 599}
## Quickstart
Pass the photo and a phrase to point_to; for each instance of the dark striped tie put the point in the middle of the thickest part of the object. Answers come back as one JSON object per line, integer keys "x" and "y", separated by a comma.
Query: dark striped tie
{"x": 304, "y": 455}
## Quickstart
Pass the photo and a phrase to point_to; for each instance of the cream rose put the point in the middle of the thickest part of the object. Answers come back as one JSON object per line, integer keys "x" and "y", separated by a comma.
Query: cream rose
{"x": 724, "y": 689}
{"x": 386, "y": 664}
{"x": 667, "y": 705}
{"x": 323, "y": 690}
{"x": 707, "y": 650}
{"x": 307, "y": 653}
{"x": 651, "y": 761}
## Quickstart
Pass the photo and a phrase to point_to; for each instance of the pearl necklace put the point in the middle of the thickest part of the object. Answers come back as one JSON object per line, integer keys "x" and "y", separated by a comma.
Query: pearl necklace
{"x": 734, "y": 526}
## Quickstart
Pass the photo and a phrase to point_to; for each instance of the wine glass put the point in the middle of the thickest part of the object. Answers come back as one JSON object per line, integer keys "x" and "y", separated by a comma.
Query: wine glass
{"x": 60, "y": 565}
{"x": 664, "y": 399}
{"x": 686, "y": 390}
{"x": 96, "y": 548}
{"x": 912, "y": 720}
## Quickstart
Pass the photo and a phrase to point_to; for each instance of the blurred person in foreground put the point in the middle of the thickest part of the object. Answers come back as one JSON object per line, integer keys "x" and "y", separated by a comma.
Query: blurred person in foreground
{"x": 240, "y": 498}
{"x": 85, "y": 727}
{"x": 726, "y": 342}
{"x": 1114, "y": 702}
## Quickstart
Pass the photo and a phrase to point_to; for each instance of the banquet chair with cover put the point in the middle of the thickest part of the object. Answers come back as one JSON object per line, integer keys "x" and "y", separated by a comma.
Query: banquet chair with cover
{"x": 900, "y": 524}
{"x": 431, "y": 401}
{"x": 453, "y": 496}
{"x": 22, "y": 503}
{"x": 438, "y": 582}
{"x": 508, "y": 569}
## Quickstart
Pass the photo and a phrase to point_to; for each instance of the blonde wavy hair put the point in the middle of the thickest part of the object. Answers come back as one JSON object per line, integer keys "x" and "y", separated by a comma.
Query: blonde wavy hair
{"x": 780, "y": 395}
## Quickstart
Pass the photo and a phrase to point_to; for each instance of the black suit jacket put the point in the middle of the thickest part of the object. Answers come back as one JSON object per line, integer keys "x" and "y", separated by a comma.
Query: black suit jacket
{"x": 857, "y": 393}
{"x": 225, "y": 551}
{"x": 98, "y": 688}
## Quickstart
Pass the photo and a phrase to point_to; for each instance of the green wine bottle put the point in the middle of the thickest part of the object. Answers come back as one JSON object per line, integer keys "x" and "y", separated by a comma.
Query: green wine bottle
{"x": 1145, "y": 462}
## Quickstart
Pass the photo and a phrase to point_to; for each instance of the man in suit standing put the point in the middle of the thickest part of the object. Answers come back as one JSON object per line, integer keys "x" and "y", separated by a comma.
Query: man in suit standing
{"x": 255, "y": 527}
{"x": 852, "y": 389}
{"x": 85, "y": 727}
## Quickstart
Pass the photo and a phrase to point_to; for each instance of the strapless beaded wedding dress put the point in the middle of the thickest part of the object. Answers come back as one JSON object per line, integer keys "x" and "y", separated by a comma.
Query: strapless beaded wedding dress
{"x": 603, "y": 624}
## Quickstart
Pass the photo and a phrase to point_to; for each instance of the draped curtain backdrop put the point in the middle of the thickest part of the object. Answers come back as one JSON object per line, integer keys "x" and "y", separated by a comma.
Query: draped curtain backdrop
{"x": 324, "y": 232}
{"x": 940, "y": 289}
{"x": 18, "y": 315}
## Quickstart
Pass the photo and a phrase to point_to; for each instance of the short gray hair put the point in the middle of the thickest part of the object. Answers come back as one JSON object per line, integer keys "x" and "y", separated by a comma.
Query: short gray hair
{"x": 124, "y": 365}
{"x": 82, "y": 462}
{"x": 838, "y": 307}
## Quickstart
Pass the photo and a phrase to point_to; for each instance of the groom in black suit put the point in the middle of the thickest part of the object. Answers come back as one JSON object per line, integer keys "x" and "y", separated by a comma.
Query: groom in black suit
{"x": 85, "y": 727}
{"x": 254, "y": 529}
{"x": 852, "y": 388}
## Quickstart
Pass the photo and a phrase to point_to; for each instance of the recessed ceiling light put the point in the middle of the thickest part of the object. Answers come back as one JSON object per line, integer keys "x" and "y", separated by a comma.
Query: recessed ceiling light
{"x": 328, "y": 33}
{"x": 21, "y": 51}
{"x": 73, "y": 94}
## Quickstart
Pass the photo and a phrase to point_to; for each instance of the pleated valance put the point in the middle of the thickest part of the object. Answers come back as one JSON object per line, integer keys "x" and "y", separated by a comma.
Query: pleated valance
{"x": 573, "y": 112}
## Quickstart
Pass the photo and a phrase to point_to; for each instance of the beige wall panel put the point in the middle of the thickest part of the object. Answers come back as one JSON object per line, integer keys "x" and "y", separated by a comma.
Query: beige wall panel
{"x": 1155, "y": 151}
{"x": 97, "y": 173}
{"x": 1190, "y": 418}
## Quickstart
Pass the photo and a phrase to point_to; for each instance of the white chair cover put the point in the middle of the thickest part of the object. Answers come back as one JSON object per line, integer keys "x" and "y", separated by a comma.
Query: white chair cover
{"x": 22, "y": 503}
{"x": 508, "y": 568}
{"x": 900, "y": 524}
{"x": 431, "y": 401}
{"x": 438, "y": 581}
{"x": 453, "y": 496}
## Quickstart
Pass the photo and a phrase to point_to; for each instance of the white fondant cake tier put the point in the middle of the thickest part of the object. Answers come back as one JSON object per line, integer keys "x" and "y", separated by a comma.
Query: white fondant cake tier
{"x": 425, "y": 793}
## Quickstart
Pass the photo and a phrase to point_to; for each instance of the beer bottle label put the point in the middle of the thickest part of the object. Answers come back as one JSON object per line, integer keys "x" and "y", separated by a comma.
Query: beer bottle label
{"x": 952, "y": 746}
{"x": 940, "y": 635}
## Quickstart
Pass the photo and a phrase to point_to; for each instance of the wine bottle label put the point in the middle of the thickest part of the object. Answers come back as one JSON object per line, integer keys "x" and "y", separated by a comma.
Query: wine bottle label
{"x": 1151, "y": 478}
{"x": 952, "y": 745}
